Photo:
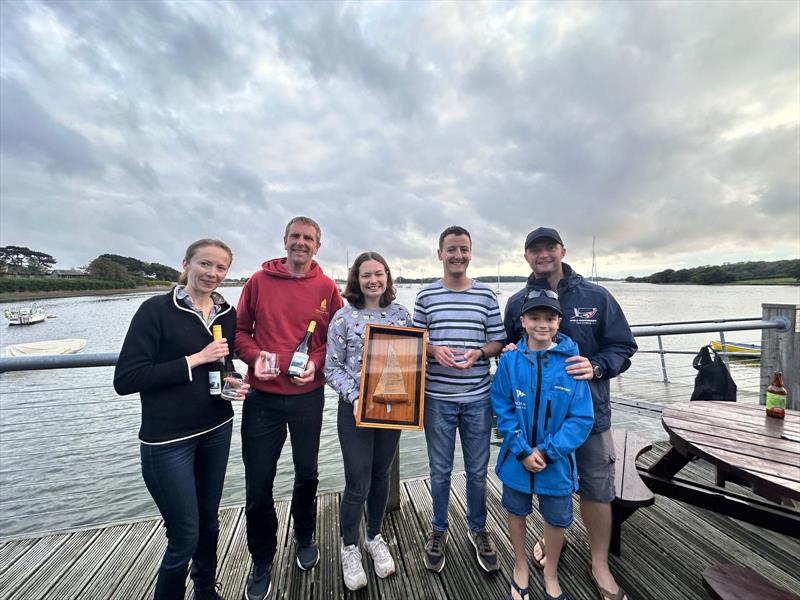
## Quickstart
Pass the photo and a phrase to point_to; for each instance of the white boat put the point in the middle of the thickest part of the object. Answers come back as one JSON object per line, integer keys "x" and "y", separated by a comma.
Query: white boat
{"x": 497, "y": 290}
{"x": 25, "y": 315}
{"x": 68, "y": 346}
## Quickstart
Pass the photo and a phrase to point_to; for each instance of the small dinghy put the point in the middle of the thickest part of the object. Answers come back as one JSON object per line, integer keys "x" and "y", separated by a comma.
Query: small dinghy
{"x": 69, "y": 346}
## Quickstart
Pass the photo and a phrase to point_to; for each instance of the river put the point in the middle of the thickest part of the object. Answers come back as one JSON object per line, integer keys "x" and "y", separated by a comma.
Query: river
{"x": 69, "y": 455}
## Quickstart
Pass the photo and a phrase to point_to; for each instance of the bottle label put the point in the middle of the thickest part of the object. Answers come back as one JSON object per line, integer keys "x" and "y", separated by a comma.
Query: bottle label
{"x": 776, "y": 400}
{"x": 214, "y": 383}
{"x": 298, "y": 364}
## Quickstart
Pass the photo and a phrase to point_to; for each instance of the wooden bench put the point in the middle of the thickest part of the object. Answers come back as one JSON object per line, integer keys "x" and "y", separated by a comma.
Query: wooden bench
{"x": 632, "y": 493}
{"x": 731, "y": 582}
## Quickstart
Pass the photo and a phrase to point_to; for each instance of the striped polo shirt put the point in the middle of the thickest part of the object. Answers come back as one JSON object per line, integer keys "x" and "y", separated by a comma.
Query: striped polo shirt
{"x": 466, "y": 319}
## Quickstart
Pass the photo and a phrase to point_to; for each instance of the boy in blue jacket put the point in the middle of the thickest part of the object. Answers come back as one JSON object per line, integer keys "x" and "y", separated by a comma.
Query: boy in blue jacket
{"x": 543, "y": 415}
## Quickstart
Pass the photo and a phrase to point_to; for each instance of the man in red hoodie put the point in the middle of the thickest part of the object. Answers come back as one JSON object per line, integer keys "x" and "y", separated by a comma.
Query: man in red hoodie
{"x": 274, "y": 312}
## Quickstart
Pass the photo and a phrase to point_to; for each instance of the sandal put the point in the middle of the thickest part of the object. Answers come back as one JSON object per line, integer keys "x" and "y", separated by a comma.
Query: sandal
{"x": 537, "y": 561}
{"x": 522, "y": 591}
{"x": 604, "y": 593}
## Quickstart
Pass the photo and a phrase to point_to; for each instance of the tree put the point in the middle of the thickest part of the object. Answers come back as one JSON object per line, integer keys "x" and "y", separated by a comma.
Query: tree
{"x": 19, "y": 260}
{"x": 163, "y": 272}
{"x": 105, "y": 268}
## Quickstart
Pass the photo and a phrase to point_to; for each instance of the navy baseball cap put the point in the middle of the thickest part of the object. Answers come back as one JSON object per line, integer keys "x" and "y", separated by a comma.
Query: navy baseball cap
{"x": 542, "y": 233}
{"x": 541, "y": 299}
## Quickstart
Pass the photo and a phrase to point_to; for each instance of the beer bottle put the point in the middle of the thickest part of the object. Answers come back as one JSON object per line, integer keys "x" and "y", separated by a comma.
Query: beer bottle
{"x": 776, "y": 397}
{"x": 216, "y": 368}
{"x": 300, "y": 356}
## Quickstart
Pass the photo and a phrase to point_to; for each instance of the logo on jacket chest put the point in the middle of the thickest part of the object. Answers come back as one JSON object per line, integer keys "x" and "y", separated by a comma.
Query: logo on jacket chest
{"x": 519, "y": 402}
{"x": 584, "y": 316}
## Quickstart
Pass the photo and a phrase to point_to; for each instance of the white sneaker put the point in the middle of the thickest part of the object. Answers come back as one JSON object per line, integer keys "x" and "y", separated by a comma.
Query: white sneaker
{"x": 379, "y": 551}
{"x": 354, "y": 576}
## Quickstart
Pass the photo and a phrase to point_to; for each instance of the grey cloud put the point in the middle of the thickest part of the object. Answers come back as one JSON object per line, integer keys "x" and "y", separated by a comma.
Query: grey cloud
{"x": 328, "y": 38}
{"x": 230, "y": 182}
{"x": 26, "y": 129}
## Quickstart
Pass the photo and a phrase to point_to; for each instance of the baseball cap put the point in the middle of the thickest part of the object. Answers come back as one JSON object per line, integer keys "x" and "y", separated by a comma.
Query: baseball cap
{"x": 541, "y": 299}
{"x": 542, "y": 232}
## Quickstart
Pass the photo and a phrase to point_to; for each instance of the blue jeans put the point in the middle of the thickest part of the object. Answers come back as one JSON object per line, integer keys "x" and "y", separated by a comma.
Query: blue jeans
{"x": 474, "y": 423}
{"x": 185, "y": 479}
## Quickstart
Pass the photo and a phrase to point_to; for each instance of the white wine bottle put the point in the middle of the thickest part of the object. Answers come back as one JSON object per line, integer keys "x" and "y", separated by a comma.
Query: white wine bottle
{"x": 216, "y": 368}
{"x": 300, "y": 356}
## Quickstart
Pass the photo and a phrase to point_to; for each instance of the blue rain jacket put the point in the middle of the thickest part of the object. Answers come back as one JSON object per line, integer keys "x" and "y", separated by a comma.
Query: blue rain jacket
{"x": 538, "y": 404}
{"x": 594, "y": 319}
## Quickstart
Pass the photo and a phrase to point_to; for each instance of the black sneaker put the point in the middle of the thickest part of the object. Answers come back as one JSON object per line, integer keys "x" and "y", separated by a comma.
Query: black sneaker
{"x": 434, "y": 551}
{"x": 484, "y": 550}
{"x": 307, "y": 554}
{"x": 209, "y": 593}
{"x": 259, "y": 582}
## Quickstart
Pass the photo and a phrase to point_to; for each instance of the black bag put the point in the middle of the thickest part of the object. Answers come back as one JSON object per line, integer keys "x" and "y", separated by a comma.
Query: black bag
{"x": 713, "y": 381}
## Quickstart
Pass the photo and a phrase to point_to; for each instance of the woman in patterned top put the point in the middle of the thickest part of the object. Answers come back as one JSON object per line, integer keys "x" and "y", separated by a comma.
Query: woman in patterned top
{"x": 367, "y": 453}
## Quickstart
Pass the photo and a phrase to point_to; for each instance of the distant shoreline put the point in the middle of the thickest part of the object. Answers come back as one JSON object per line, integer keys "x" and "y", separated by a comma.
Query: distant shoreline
{"x": 44, "y": 295}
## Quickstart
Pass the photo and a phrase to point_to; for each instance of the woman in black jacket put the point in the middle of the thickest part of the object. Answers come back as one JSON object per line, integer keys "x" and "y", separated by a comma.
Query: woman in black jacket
{"x": 186, "y": 430}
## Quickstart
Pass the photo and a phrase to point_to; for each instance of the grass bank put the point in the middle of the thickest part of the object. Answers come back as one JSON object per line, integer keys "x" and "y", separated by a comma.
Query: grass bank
{"x": 769, "y": 281}
{"x": 42, "y": 295}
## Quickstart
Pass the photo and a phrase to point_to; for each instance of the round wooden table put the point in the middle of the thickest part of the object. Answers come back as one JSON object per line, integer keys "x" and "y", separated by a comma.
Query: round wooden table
{"x": 742, "y": 442}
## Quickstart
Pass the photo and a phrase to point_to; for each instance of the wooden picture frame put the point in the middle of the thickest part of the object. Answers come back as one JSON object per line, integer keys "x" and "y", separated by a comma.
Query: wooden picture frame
{"x": 392, "y": 392}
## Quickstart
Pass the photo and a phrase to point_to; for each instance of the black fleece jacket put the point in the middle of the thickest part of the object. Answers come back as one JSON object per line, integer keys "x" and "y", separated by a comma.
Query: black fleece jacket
{"x": 175, "y": 403}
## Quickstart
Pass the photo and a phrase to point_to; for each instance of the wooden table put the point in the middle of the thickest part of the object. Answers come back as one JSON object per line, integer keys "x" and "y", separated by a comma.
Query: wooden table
{"x": 746, "y": 448}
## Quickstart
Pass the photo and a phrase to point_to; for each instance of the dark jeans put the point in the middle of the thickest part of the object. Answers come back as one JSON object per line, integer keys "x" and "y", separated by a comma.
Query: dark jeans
{"x": 368, "y": 455}
{"x": 185, "y": 479}
{"x": 265, "y": 418}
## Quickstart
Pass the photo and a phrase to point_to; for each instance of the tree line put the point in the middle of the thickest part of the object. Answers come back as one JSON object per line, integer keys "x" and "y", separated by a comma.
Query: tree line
{"x": 25, "y": 270}
{"x": 726, "y": 273}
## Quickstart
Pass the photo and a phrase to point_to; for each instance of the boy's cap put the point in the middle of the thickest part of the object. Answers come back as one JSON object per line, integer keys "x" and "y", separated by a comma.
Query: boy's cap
{"x": 541, "y": 299}
{"x": 542, "y": 232}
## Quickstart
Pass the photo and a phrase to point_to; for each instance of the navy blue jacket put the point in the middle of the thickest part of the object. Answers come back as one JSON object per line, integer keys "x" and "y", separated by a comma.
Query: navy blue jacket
{"x": 538, "y": 404}
{"x": 175, "y": 400}
{"x": 594, "y": 320}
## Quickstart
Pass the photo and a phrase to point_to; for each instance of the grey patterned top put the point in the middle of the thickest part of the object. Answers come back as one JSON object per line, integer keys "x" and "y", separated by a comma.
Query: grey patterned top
{"x": 346, "y": 344}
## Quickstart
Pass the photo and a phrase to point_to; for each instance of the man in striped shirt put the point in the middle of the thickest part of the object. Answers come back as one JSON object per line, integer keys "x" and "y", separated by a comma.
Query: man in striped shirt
{"x": 465, "y": 329}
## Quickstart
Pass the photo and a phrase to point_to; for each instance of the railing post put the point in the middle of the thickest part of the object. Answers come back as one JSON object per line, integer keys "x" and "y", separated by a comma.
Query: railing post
{"x": 663, "y": 360}
{"x": 724, "y": 347}
{"x": 780, "y": 351}
{"x": 394, "y": 483}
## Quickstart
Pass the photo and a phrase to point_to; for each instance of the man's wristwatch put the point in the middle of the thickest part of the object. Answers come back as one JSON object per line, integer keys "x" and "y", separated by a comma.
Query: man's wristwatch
{"x": 598, "y": 371}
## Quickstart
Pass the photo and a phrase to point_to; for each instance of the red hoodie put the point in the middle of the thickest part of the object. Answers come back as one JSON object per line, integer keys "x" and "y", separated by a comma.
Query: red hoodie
{"x": 273, "y": 314}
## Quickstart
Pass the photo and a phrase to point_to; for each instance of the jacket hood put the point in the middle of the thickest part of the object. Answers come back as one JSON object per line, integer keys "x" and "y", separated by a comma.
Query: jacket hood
{"x": 277, "y": 268}
{"x": 570, "y": 280}
{"x": 564, "y": 345}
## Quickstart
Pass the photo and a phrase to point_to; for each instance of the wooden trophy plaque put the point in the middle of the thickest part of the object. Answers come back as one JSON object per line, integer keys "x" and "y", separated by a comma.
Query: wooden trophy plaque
{"x": 392, "y": 392}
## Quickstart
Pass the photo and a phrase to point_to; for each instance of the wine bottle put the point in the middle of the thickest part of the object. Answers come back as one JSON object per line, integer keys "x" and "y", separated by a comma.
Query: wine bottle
{"x": 300, "y": 356}
{"x": 216, "y": 368}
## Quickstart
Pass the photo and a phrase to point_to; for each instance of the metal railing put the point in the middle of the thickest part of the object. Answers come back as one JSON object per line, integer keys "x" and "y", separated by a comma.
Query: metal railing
{"x": 719, "y": 326}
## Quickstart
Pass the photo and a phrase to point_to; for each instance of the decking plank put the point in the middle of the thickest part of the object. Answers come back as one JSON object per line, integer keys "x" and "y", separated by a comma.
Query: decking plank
{"x": 26, "y": 566}
{"x": 58, "y": 564}
{"x": 88, "y": 564}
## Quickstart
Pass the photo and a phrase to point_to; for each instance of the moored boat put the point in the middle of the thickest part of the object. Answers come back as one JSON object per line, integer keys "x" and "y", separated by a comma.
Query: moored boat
{"x": 48, "y": 347}
{"x": 25, "y": 315}
{"x": 737, "y": 348}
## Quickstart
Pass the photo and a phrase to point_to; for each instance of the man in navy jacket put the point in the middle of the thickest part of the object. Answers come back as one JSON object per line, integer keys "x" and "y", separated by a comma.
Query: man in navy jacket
{"x": 594, "y": 319}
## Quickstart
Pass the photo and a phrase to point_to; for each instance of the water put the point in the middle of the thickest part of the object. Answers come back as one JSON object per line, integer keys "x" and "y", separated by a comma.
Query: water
{"x": 69, "y": 455}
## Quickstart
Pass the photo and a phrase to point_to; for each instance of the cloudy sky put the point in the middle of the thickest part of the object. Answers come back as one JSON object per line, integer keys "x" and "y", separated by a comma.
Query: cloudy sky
{"x": 670, "y": 131}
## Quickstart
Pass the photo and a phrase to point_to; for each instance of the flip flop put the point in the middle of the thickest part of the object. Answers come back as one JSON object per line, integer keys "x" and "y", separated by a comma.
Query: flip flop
{"x": 604, "y": 593}
{"x": 520, "y": 590}
{"x": 537, "y": 562}
{"x": 561, "y": 596}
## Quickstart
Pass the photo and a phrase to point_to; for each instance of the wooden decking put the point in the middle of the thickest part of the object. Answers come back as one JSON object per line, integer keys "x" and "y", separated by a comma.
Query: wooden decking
{"x": 665, "y": 548}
